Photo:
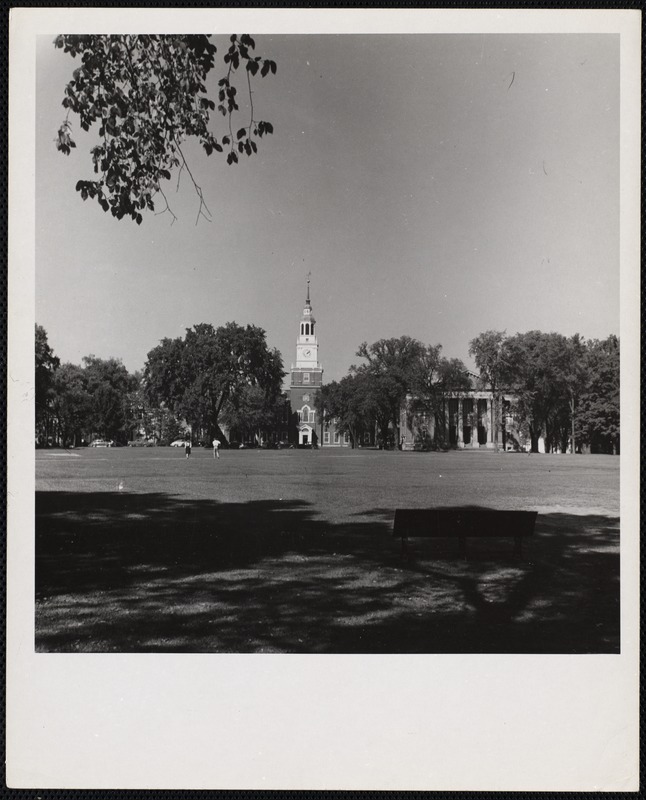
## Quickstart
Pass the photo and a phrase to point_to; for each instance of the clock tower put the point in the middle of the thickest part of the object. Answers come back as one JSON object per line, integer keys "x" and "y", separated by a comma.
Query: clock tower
{"x": 306, "y": 376}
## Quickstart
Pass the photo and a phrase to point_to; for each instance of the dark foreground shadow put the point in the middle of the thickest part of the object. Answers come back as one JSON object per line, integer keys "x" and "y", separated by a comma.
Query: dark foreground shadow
{"x": 150, "y": 572}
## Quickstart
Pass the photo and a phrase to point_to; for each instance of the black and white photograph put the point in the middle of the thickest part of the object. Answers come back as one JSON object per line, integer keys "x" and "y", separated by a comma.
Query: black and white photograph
{"x": 327, "y": 327}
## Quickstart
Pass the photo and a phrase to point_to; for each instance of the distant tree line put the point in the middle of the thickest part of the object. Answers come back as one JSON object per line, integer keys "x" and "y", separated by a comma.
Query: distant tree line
{"x": 210, "y": 376}
{"x": 566, "y": 389}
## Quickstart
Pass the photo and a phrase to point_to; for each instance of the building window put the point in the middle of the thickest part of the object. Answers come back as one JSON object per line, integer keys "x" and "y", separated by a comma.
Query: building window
{"x": 336, "y": 438}
{"x": 346, "y": 438}
{"x": 306, "y": 377}
{"x": 326, "y": 437}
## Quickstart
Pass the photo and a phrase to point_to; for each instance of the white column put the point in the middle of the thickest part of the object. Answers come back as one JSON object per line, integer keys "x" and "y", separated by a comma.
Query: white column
{"x": 487, "y": 420}
{"x": 460, "y": 425}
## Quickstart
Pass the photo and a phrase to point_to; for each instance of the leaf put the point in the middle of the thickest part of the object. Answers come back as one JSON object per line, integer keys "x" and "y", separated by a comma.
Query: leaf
{"x": 265, "y": 69}
{"x": 241, "y": 133}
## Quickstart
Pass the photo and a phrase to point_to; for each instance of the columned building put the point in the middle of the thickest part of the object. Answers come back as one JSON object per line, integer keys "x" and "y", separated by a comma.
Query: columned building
{"x": 471, "y": 419}
{"x": 306, "y": 378}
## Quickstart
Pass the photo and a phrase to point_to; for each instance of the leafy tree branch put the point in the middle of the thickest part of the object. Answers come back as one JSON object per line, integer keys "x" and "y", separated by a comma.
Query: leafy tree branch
{"x": 148, "y": 95}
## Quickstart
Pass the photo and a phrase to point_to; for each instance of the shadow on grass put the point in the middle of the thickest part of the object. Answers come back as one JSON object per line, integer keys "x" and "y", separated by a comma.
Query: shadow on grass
{"x": 151, "y": 572}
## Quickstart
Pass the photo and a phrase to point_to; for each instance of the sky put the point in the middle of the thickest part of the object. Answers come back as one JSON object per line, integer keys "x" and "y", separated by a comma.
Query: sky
{"x": 434, "y": 185}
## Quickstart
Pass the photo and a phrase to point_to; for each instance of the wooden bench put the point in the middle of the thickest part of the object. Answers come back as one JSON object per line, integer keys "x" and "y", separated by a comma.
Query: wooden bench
{"x": 463, "y": 523}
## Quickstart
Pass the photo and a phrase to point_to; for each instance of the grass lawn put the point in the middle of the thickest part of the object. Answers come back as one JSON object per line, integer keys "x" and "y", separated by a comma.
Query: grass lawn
{"x": 292, "y": 551}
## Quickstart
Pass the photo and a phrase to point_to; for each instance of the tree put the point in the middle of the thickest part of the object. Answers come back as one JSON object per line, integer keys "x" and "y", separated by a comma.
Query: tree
{"x": 489, "y": 352}
{"x": 254, "y": 413}
{"x": 141, "y": 416}
{"x": 71, "y": 404}
{"x": 46, "y": 365}
{"x": 599, "y": 419}
{"x": 573, "y": 377}
{"x": 148, "y": 95}
{"x": 108, "y": 384}
{"x": 545, "y": 380}
{"x": 393, "y": 366}
{"x": 200, "y": 375}
{"x": 436, "y": 379}
{"x": 353, "y": 404}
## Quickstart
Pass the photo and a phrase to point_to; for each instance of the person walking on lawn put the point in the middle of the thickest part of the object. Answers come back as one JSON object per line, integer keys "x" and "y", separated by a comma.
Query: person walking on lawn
{"x": 187, "y": 447}
{"x": 216, "y": 448}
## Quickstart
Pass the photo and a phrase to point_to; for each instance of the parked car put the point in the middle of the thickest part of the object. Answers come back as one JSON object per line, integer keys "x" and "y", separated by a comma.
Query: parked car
{"x": 142, "y": 443}
{"x": 102, "y": 443}
{"x": 178, "y": 443}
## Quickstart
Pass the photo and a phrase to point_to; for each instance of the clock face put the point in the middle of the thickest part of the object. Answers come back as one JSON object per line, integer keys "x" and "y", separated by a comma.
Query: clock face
{"x": 306, "y": 398}
{"x": 307, "y": 353}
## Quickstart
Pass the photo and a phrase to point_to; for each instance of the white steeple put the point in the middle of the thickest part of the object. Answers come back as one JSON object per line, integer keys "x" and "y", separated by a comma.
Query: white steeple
{"x": 306, "y": 342}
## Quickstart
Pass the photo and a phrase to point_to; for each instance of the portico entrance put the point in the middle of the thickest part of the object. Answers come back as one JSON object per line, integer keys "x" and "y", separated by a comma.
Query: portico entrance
{"x": 305, "y": 435}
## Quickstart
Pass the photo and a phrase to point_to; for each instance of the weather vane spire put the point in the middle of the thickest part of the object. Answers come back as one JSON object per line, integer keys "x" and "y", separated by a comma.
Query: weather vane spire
{"x": 308, "y": 287}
